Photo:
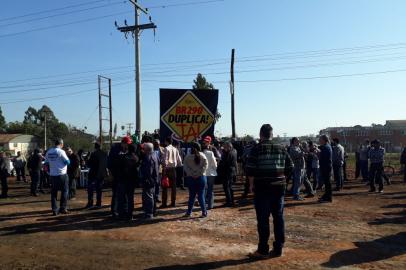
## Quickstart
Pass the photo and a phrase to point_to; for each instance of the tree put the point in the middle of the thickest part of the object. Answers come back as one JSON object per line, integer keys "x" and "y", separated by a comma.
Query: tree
{"x": 247, "y": 138}
{"x": 201, "y": 83}
{"x": 3, "y": 123}
{"x": 31, "y": 116}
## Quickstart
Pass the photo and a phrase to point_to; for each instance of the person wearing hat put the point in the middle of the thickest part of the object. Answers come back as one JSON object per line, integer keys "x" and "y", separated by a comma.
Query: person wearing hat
{"x": 97, "y": 164}
{"x": 377, "y": 158}
{"x": 195, "y": 166}
{"x": 58, "y": 167}
{"x": 211, "y": 172}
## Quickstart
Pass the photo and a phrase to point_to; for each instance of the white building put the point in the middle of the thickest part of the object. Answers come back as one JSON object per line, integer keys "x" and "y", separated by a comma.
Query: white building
{"x": 14, "y": 143}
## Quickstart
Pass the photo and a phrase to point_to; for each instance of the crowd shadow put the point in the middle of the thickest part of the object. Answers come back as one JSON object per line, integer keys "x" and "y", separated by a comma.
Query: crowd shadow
{"x": 397, "y": 217}
{"x": 395, "y": 205}
{"x": 369, "y": 252}
{"x": 204, "y": 266}
{"x": 399, "y": 197}
{"x": 21, "y": 203}
{"x": 83, "y": 219}
{"x": 341, "y": 194}
{"x": 31, "y": 214}
{"x": 394, "y": 193}
{"x": 292, "y": 203}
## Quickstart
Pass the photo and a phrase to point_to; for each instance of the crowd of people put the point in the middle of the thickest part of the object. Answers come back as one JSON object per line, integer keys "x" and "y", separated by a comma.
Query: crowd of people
{"x": 161, "y": 168}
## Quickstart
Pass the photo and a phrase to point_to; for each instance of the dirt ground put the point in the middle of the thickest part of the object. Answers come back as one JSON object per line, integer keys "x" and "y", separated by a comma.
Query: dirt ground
{"x": 357, "y": 231}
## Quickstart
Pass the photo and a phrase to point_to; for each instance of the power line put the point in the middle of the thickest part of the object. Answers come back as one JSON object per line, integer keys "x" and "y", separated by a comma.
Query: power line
{"x": 202, "y": 62}
{"x": 284, "y": 68}
{"x": 60, "y": 14}
{"x": 55, "y": 96}
{"x": 55, "y": 84}
{"x": 90, "y": 116}
{"x": 50, "y": 10}
{"x": 185, "y": 4}
{"x": 63, "y": 24}
{"x": 225, "y": 82}
{"x": 323, "y": 77}
{"x": 45, "y": 88}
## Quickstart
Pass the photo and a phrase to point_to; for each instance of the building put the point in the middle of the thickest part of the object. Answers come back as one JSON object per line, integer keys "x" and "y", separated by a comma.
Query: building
{"x": 14, "y": 143}
{"x": 392, "y": 135}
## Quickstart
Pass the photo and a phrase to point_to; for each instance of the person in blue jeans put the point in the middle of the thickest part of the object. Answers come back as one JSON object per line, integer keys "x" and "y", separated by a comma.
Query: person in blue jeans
{"x": 267, "y": 167}
{"x": 211, "y": 171}
{"x": 297, "y": 154}
{"x": 195, "y": 166}
{"x": 58, "y": 167}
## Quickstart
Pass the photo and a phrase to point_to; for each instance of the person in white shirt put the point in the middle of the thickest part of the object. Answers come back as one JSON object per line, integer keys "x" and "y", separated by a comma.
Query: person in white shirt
{"x": 171, "y": 160}
{"x": 58, "y": 166}
{"x": 211, "y": 172}
{"x": 195, "y": 166}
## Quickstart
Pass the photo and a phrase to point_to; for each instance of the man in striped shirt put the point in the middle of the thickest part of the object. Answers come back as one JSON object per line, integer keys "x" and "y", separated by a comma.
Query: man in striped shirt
{"x": 267, "y": 167}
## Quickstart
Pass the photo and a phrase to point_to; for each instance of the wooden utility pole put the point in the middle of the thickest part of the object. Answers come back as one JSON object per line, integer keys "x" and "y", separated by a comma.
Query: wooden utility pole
{"x": 232, "y": 94}
{"x": 135, "y": 30}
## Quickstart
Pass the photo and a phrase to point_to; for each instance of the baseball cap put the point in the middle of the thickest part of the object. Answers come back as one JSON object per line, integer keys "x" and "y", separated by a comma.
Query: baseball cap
{"x": 127, "y": 140}
{"x": 207, "y": 139}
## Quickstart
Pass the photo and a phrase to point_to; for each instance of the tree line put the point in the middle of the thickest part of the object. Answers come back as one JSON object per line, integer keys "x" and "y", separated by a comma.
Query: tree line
{"x": 34, "y": 124}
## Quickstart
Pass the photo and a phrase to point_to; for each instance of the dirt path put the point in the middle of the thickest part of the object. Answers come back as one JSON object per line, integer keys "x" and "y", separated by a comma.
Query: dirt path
{"x": 357, "y": 231}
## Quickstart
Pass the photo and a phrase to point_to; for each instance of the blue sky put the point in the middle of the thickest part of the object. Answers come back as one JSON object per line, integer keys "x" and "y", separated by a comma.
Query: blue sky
{"x": 274, "y": 40}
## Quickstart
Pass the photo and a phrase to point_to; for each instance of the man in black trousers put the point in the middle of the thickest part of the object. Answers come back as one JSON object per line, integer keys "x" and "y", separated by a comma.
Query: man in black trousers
{"x": 326, "y": 165}
{"x": 267, "y": 167}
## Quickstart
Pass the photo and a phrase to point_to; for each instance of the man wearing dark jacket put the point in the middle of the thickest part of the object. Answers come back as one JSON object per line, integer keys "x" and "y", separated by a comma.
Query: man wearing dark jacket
{"x": 149, "y": 172}
{"x": 34, "y": 166}
{"x": 403, "y": 162}
{"x": 326, "y": 165}
{"x": 73, "y": 171}
{"x": 267, "y": 167}
{"x": 97, "y": 171}
{"x": 127, "y": 176}
{"x": 227, "y": 170}
{"x": 4, "y": 173}
{"x": 112, "y": 165}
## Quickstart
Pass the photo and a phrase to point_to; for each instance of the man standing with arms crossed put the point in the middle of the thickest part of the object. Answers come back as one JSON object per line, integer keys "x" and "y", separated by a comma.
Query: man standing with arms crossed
{"x": 267, "y": 167}
{"x": 58, "y": 166}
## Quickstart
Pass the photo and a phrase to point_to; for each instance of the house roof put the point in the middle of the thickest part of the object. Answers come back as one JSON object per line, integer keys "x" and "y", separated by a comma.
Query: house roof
{"x": 396, "y": 123}
{"x": 6, "y": 138}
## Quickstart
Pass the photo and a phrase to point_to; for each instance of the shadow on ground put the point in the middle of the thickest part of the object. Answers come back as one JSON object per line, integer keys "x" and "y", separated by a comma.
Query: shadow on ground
{"x": 204, "y": 266}
{"x": 369, "y": 252}
{"x": 89, "y": 220}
